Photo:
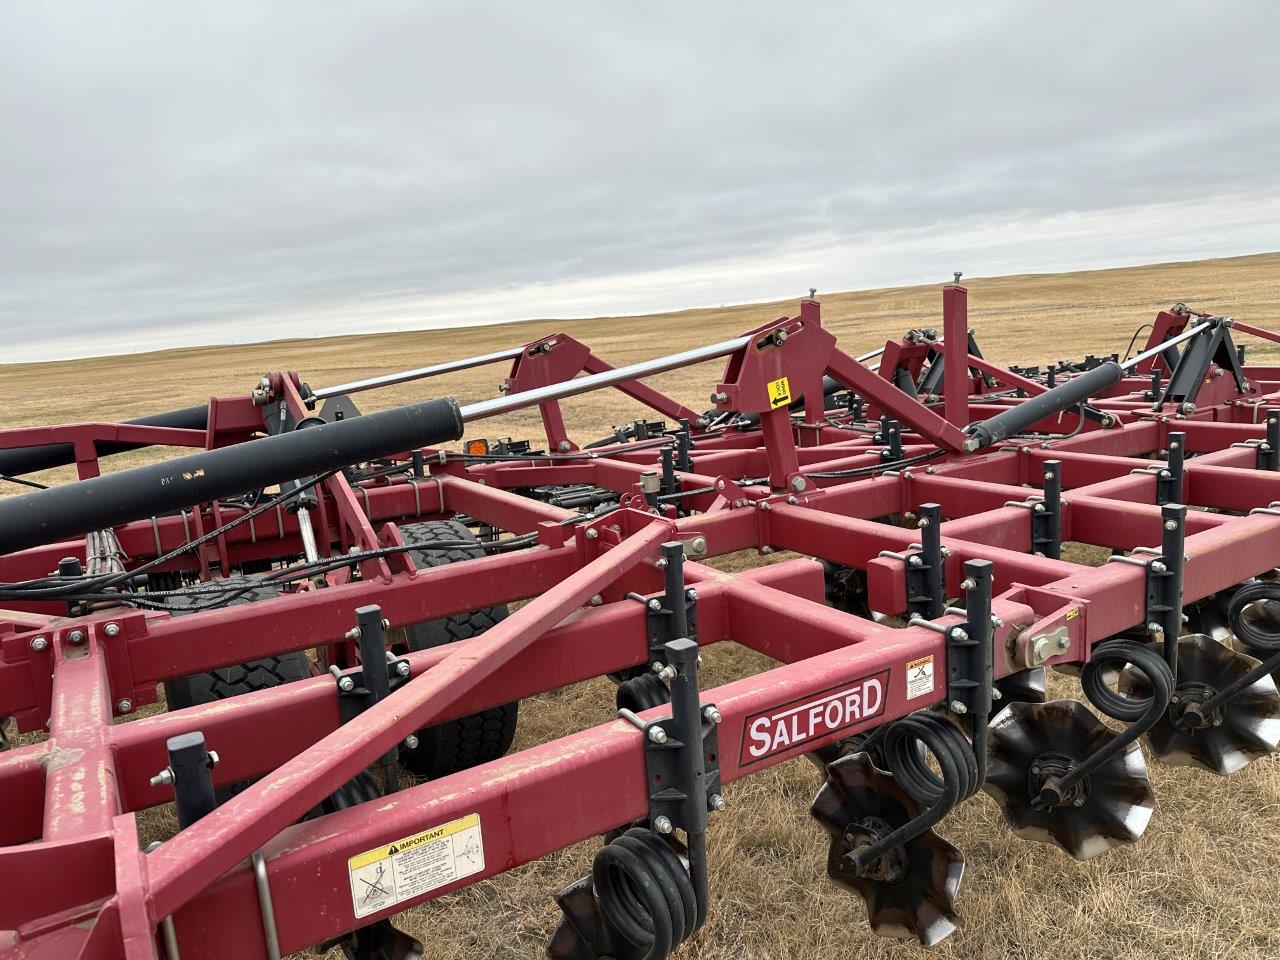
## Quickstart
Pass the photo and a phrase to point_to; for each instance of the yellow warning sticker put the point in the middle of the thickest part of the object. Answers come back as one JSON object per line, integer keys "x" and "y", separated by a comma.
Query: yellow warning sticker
{"x": 779, "y": 393}
{"x": 919, "y": 677}
{"x": 412, "y": 866}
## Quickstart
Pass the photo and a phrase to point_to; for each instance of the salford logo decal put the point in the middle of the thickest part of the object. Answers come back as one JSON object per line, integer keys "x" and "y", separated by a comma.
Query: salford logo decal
{"x": 812, "y": 717}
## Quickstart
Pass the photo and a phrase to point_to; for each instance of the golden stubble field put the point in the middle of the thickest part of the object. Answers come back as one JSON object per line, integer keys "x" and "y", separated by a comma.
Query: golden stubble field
{"x": 1201, "y": 882}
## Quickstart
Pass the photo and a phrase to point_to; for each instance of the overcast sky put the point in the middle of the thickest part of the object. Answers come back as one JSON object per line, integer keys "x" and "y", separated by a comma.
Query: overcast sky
{"x": 178, "y": 173}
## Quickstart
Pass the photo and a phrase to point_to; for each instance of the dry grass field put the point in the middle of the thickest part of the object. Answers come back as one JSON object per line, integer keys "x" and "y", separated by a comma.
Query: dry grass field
{"x": 1201, "y": 883}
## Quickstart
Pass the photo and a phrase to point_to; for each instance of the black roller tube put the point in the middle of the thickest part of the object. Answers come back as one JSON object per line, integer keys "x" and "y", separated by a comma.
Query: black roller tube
{"x": 20, "y": 460}
{"x": 73, "y": 509}
{"x": 1062, "y": 397}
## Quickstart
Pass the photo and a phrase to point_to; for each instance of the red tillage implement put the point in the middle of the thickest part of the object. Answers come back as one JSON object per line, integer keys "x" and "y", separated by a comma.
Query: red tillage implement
{"x": 323, "y": 597}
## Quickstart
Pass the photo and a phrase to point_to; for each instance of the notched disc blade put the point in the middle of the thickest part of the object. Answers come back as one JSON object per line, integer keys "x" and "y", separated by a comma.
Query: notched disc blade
{"x": 1246, "y": 727}
{"x": 582, "y": 933}
{"x": 911, "y": 892}
{"x": 1025, "y": 686}
{"x": 1209, "y": 616}
{"x": 1112, "y": 806}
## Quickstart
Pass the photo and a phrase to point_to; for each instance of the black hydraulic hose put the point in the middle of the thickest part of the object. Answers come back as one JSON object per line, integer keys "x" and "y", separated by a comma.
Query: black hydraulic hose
{"x": 73, "y": 509}
{"x": 22, "y": 460}
{"x": 1015, "y": 420}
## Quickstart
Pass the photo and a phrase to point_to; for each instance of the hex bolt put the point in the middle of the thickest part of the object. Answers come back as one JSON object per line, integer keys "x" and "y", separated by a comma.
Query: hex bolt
{"x": 657, "y": 735}
{"x": 960, "y": 635}
{"x": 1064, "y": 642}
{"x": 766, "y": 550}
{"x": 411, "y": 742}
{"x": 125, "y": 706}
{"x": 958, "y": 707}
{"x": 591, "y": 533}
{"x": 1038, "y": 508}
{"x": 402, "y": 668}
{"x": 76, "y": 636}
{"x": 793, "y": 500}
{"x": 655, "y": 604}
{"x": 112, "y": 629}
{"x": 661, "y": 563}
{"x": 915, "y": 561}
{"x": 565, "y": 446}
{"x": 719, "y": 397}
{"x": 1048, "y": 476}
{"x": 797, "y": 484}
{"x": 712, "y": 714}
{"x": 1158, "y": 567}
{"x": 691, "y": 594}
{"x": 39, "y": 644}
{"x": 1188, "y": 408}
{"x": 667, "y": 673}
{"x": 353, "y": 634}
{"x": 596, "y": 600}
{"x": 967, "y": 584}
{"x": 765, "y": 505}
{"x": 163, "y": 778}
{"x": 662, "y": 824}
{"x": 716, "y": 803}
{"x": 214, "y": 759}
{"x": 698, "y": 546}
{"x": 386, "y": 624}
{"x": 1171, "y": 524}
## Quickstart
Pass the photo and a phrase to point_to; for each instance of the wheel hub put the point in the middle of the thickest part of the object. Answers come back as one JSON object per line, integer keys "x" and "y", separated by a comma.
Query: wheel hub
{"x": 890, "y": 866}
{"x": 1186, "y": 707}
{"x": 1042, "y": 781}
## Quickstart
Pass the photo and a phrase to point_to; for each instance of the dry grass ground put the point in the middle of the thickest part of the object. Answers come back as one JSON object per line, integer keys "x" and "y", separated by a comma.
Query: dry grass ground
{"x": 1201, "y": 882}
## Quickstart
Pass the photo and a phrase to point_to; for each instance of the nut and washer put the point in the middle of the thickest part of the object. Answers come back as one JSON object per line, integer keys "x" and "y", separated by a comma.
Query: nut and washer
{"x": 125, "y": 705}
{"x": 39, "y": 644}
{"x": 112, "y": 629}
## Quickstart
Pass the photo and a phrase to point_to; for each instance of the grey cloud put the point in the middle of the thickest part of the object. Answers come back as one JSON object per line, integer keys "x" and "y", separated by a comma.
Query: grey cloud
{"x": 217, "y": 171}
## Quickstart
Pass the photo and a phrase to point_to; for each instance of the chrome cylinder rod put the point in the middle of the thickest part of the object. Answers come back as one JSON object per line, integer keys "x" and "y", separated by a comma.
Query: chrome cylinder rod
{"x": 421, "y": 373}
{"x": 1186, "y": 334}
{"x": 570, "y": 388}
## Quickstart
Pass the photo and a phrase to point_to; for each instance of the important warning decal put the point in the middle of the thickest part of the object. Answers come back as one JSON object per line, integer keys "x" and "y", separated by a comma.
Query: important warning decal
{"x": 809, "y": 718}
{"x": 919, "y": 677}
{"x": 779, "y": 393}
{"x": 408, "y": 868}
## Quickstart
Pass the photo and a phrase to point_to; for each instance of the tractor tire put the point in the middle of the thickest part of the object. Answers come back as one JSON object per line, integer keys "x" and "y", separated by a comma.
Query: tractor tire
{"x": 226, "y": 682}
{"x": 472, "y": 740}
{"x": 231, "y": 681}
